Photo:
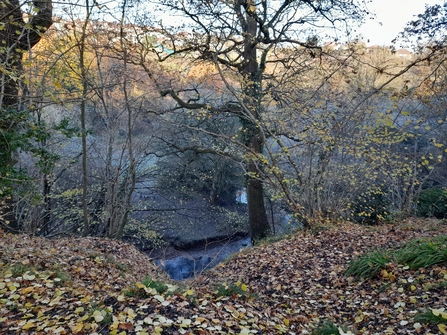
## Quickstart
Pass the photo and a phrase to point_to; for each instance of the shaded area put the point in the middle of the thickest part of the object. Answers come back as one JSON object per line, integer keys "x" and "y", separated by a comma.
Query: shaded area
{"x": 193, "y": 261}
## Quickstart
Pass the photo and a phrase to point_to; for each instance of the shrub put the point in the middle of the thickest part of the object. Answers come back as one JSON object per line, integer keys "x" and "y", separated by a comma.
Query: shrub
{"x": 432, "y": 202}
{"x": 370, "y": 207}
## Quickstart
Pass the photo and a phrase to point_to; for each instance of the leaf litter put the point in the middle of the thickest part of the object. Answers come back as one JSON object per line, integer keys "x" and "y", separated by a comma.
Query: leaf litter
{"x": 97, "y": 286}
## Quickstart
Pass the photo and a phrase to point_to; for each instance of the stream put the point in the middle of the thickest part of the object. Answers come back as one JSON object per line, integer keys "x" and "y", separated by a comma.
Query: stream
{"x": 191, "y": 262}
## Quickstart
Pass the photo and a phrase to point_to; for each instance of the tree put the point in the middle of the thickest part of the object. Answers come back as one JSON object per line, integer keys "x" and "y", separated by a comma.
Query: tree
{"x": 245, "y": 41}
{"x": 17, "y": 35}
{"x": 429, "y": 27}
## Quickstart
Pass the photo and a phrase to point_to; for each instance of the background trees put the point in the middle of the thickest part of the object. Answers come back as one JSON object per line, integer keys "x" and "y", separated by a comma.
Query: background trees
{"x": 253, "y": 47}
{"x": 242, "y": 98}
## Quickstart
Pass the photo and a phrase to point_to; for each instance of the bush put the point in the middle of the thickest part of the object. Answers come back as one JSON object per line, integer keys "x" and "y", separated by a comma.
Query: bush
{"x": 370, "y": 207}
{"x": 432, "y": 203}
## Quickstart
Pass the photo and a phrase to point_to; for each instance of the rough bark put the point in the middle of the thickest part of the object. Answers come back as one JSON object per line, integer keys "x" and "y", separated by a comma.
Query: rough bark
{"x": 16, "y": 37}
{"x": 251, "y": 74}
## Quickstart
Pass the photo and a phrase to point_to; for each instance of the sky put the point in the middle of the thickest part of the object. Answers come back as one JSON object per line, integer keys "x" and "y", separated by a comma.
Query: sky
{"x": 391, "y": 17}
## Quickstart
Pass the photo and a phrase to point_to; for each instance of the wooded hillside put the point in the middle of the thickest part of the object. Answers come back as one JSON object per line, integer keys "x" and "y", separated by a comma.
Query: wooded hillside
{"x": 116, "y": 124}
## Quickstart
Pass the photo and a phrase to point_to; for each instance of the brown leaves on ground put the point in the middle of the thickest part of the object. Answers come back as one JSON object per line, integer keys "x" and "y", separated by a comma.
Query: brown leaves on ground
{"x": 81, "y": 286}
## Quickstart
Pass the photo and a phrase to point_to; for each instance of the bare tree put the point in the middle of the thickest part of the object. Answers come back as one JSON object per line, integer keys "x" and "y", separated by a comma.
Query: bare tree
{"x": 245, "y": 40}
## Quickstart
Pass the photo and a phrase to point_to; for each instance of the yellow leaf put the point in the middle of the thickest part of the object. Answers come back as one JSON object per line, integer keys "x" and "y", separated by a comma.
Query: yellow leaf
{"x": 77, "y": 327}
{"x": 27, "y": 290}
{"x": 55, "y": 301}
{"x": 28, "y": 325}
{"x": 436, "y": 312}
{"x": 286, "y": 322}
{"x": 442, "y": 328}
{"x": 79, "y": 310}
{"x": 131, "y": 314}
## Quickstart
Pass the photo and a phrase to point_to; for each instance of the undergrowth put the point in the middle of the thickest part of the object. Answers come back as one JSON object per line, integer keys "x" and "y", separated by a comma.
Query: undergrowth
{"x": 431, "y": 316}
{"x": 330, "y": 328}
{"x": 149, "y": 287}
{"x": 233, "y": 289}
{"x": 418, "y": 253}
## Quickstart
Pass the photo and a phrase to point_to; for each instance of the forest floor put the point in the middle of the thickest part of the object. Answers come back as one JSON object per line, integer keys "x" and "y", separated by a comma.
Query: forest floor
{"x": 97, "y": 286}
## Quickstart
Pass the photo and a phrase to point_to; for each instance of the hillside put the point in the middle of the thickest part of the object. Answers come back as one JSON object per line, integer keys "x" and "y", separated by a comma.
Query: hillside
{"x": 97, "y": 286}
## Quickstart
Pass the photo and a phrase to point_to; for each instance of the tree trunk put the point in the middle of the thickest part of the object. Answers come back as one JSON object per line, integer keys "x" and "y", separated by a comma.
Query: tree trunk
{"x": 15, "y": 37}
{"x": 251, "y": 75}
{"x": 257, "y": 215}
{"x": 85, "y": 89}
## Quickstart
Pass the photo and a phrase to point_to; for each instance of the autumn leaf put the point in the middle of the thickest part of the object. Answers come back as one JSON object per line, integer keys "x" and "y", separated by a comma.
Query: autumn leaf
{"x": 77, "y": 328}
{"x": 28, "y": 325}
{"x": 98, "y": 316}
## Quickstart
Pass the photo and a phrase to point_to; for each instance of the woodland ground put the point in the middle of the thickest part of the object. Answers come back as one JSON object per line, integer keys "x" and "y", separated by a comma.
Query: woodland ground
{"x": 97, "y": 286}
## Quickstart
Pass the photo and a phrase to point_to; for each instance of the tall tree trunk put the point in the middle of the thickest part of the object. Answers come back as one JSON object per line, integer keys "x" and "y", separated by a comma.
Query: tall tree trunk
{"x": 84, "y": 78}
{"x": 130, "y": 180}
{"x": 251, "y": 73}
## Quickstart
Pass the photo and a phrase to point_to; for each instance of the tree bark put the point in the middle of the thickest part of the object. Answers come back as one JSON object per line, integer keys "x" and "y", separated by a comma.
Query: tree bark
{"x": 251, "y": 76}
{"x": 16, "y": 36}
